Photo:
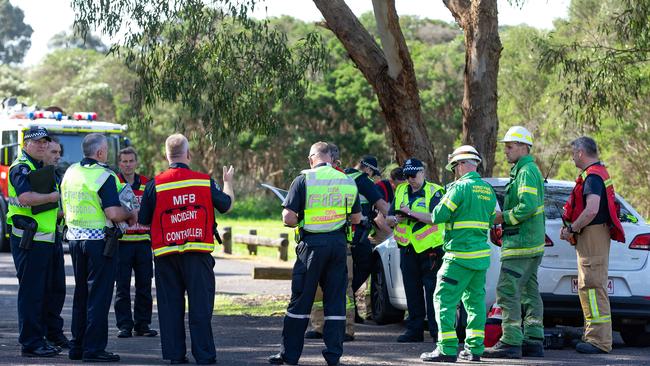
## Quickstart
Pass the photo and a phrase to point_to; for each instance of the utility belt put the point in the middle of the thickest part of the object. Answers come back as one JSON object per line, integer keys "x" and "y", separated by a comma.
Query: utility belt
{"x": 300, "y": 234}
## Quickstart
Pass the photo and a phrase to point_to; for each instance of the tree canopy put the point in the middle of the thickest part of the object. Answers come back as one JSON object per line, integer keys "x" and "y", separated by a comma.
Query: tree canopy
{"x": 15, "y": 35}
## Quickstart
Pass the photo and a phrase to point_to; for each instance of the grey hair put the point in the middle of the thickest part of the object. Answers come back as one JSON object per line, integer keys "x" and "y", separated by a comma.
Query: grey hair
{"x": 92, "y": 143}
{"x": 586, "y": 144}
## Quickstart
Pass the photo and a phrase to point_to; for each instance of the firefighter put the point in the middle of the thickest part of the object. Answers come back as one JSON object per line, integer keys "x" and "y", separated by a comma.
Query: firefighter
{"x": 92, "y": 208}
{"x": 420, "y": 244}
{"x": 593, "y": 215}
{"x": 179, "y": 205}
{"x": 521, "y": 252}
{"x": 134, "y": 256}
{"x": 467, "y": 210}
{"x": 33, "y": 245}
{"x": 319, "y": 202}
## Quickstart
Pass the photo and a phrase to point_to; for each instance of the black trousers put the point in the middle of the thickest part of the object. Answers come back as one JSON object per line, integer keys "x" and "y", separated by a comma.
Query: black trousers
{"x": 319, "y": 261}
{"x": 419, "y": 272}
{"x": 94, "y": 276}
{"x": 361, "y": 256}
{"x": 55, "y": 289}
{"x": 177, "y": 274}
{"x": 34, "y": 269}
{"x": 136, "y": 258}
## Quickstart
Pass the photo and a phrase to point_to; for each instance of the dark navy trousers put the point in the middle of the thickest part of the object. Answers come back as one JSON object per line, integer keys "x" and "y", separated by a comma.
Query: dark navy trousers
{"x": 34, "y": 272}
{"x": 136, "y": 258}
{"x": 176, "y": 274}
{"x": 419, "y": 272}
{"x": 361, "y": 257}
{"x": 94, "y": 276}
{"x": 319, "y": 261}
{"x": 55, "y": 289}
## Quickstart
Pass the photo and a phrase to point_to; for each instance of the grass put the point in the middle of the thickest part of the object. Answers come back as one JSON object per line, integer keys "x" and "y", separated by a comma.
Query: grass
{"x": 251, "y": 305}
{"x": 265, "y": 227}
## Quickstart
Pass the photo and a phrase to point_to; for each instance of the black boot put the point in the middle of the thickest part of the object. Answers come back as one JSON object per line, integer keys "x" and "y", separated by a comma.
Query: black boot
{"x": 529, "y": 349}
{"x": 437, "y": 356}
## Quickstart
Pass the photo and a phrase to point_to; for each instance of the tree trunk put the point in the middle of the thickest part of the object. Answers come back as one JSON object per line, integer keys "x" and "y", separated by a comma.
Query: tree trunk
{"x": 390, "y": 72}
{"x": 479, "y": 21}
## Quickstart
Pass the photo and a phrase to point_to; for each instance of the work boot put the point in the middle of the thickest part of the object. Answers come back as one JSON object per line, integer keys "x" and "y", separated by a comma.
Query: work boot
{"x": 467, "y": 355}
{"x": 312, "y": 334}
{"x": 145, "y": 332}
{"x": 348, "y": 338}
{"x": 502, "y": 350}
{"x": 530, "y": 349}
{"x": 61, "y": 341}
{"x": 437, "y": 356}
{"x": 277, "y": 359}
{"x": 408, "y": 337}
{"x": 588, "y": 348}
{"x": 124, "y": 333}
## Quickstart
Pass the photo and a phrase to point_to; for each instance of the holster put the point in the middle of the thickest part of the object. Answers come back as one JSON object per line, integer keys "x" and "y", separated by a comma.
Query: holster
{"x": 216, "y": 234}
{"x": 29, "y": 226}
{"x": 112, "y": 236}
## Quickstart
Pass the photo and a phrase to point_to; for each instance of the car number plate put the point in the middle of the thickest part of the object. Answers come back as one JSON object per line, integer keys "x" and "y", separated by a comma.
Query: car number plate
{"x": 574, "y": 285}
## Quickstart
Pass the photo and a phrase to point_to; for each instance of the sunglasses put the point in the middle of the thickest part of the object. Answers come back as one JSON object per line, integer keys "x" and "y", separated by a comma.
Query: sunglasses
{"x": 411, "y": 174}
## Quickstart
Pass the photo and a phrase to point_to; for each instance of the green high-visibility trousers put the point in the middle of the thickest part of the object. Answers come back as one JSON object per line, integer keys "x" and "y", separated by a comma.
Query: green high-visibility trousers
{"x": 518, "y": 287}
{"x": 456, "y": 283}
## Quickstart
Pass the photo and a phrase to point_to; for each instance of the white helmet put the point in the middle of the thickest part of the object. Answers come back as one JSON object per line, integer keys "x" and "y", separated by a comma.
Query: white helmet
{"x": 465, "y": 152}
{"x": 518, "y": 134}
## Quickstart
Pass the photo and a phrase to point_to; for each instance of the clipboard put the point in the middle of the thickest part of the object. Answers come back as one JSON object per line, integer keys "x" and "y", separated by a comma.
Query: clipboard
{"x": 43, "y": 180}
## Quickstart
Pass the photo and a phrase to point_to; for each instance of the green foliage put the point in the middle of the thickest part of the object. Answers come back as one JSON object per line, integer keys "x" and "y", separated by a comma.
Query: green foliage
{"x": 252, "y": 207}
{"x": 226, "y": 70}
{"x": 12, "y": 82}
{"x": 15, "y": 35}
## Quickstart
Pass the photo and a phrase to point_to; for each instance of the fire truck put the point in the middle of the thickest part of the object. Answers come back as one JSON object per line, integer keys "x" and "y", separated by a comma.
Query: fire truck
{"x": 70, "y": 130}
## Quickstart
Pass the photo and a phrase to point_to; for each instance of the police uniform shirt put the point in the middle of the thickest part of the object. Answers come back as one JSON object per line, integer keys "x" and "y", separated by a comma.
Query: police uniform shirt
{"x": 296, "y": 196}
{"x": 18, "y": 175}
{"x": 594, "y": 185}
{"x": 220, "y": 200}
{"x": 412, "y": 196}
{"x": 108, "y": 192}
{"x": 368, "y": 189}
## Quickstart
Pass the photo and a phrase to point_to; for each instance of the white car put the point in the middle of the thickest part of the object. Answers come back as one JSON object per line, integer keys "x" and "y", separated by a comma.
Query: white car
{"x": 629, "y": 272}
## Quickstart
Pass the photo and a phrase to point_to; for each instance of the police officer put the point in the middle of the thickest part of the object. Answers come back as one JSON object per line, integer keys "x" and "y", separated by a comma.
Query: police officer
{"x": 91, "y": 206}
{"x": 318, "y": 202}
{"x": 420, "y": 244}
{"x": 56, "y": 283}
{"x": 179, "y": 205}
{"x": 134, "y": 256}
{"x": 370, "y": 199}
{"x": 32, "y": 245}
{"x": 521, "y": 252}
{"x": 468, "y": 210}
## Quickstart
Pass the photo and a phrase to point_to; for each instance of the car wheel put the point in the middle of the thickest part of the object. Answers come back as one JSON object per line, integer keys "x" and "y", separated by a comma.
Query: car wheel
{"x": 4, "y": 239}
{"x": 635, "y": 336}
{"x": 383, "y": 312}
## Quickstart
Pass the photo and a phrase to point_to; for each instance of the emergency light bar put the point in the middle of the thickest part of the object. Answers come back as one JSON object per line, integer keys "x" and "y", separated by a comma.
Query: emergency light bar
{"x": 90, "y": 116}
{"x": 45, "y": 114}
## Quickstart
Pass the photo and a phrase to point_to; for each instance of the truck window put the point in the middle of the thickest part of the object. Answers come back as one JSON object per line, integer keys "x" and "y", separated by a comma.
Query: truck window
{"x": 9, "y": 147}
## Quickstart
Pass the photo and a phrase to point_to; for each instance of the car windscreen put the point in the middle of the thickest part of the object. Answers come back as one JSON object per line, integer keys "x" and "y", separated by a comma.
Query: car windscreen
{"x": 554, "y": 199}
{"x": 72, "y": 151}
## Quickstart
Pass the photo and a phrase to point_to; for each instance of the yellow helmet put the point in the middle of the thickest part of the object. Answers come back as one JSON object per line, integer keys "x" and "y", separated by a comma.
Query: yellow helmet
{"x": 518, "y": 134}
{"x": 465, "y": 152}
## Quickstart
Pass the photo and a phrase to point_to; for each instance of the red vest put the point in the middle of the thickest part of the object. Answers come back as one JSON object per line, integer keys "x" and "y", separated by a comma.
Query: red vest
{"x": 183, "y": 219}
{"x": 575, "y": 205}
{"x": 136, "y": 232}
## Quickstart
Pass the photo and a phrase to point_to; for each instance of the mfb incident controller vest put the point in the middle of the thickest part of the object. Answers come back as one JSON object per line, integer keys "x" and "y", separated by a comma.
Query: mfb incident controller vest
{"x": 183, "y": 220}
{"x": 136, "y": 232}
{"x": 575, "y": 205}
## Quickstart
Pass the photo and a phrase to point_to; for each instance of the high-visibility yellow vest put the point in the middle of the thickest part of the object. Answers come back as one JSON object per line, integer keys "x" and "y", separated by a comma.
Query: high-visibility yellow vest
{"x": 82, "y": 206}
{"x": 46, "y": 220}
{"x": 330, "y": 197}
{"x": 426, "y": 236}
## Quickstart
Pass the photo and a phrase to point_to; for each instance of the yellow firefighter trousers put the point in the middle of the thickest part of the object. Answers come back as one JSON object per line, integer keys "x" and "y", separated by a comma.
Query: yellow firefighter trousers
{"x": 317, "y": 314}
{"x": 593, "y": 262}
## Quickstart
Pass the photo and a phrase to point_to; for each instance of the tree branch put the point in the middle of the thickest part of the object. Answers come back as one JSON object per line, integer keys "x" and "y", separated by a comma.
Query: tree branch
{"x": 459, "y": 9}
{"x": 385, "y": 13}
{"x": 361, "y": 46}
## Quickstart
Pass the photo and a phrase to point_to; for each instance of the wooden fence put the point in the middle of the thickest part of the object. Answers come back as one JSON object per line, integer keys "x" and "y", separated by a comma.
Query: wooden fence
{"x": 253, "y": 241}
